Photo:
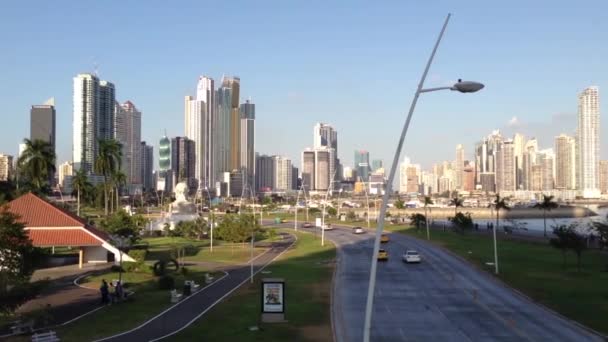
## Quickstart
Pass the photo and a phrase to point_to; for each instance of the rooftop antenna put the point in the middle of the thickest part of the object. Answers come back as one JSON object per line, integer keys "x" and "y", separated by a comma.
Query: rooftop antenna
{"x": 95, "y": 68}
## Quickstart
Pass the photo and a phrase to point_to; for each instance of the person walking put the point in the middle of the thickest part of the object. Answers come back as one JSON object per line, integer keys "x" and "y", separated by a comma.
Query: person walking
{"x": 105, "y": 292}
{"x": 118, "y": 292}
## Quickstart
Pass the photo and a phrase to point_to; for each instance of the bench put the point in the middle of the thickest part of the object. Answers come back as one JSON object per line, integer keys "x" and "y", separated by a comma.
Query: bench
{"x": 49, "y": 336}
{"x": 175, "y": 297}
{"x": 208, "y": 278}
{"x": 19, "y": 327}
{"x": 193, "y": 285}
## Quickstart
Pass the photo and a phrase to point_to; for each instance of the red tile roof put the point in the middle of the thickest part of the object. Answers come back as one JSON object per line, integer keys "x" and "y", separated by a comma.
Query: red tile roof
{"x": 62, "y": 237}
{"x": 34, "y": 212}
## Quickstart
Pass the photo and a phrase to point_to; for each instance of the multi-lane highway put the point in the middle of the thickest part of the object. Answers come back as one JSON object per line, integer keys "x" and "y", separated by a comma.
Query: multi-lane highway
{"x": 441, "y": 299}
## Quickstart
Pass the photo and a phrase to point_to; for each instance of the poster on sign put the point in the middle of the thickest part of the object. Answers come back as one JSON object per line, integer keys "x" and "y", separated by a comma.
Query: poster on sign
{"x": 273, "y": 297}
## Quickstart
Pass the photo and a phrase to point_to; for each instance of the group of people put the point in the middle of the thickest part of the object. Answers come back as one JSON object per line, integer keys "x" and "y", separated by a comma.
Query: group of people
{"x": 115, "y": 296}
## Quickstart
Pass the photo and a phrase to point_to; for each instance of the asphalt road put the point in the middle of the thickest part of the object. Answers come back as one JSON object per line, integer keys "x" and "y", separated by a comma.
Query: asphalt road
{"x": 441, "y": 299}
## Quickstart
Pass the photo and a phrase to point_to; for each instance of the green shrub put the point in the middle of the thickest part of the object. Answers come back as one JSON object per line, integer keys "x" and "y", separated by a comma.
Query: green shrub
{"x": 129, "y": 266}
{"x": 190, "y": 250}
{"x": 138, "y": 254}
{"x": 166, "y": 282}
{"x": 115, "y": 268}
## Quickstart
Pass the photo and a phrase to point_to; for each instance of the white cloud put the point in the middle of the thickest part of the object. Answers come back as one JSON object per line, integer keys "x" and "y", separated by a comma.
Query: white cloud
{"x": 514, "y": 122}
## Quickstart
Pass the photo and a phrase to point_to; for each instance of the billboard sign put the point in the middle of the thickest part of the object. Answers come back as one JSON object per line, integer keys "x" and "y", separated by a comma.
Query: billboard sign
{"x": 273, "y": 297}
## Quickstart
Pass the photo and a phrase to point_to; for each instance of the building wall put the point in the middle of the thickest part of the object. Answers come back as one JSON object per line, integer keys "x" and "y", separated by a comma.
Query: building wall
{"x": 6, "y": 167}
{"x": 95, "y": 254}
{"x": 264, "y": 172}
{"x": 604, "y": 176}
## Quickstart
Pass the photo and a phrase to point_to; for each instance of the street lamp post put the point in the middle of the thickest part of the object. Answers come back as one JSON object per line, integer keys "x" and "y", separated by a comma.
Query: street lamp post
{"x": 211, "y": 218}
{"x": 463, "y": 87}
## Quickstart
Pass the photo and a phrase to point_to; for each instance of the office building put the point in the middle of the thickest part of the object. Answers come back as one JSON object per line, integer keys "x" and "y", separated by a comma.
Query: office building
{"x": 248, "y": 142}
{"x": 318, "y": 166}
{"x": 519, "y": 146}
{"x": 588, "y": 143}
{"x": 183, "y": 162}
{"x": 282, "y": 174}
{"x": 545, "y": 160}
{"x": 377, "y": 164}
{"x": 487, "y": 182}
{"x": 228, "y": 127}
{"x": 295, "y": 179}
{"x": 468, "y": 179}
{"x": 65, "y": 170}
{"x": 565, "y": 170}
{"x": 6, "y": 167}
{"x": 485, "y": 159}
{"x": 147, "y": 167}
{"x": 264, "y": 173}
{"x": 107, "y": 111}
{"x": 42, "y": 126}
{"x": 529, "y": 160}
{"x": 362, "y": 165}
{"x": 325, "y": 135}
{"x": 127, "y": 132}
{"x": 604, "y": 176}
{"x": 459, "y": 167}
{"x": 505, "y": 167}
{"x": 409, "y": 177}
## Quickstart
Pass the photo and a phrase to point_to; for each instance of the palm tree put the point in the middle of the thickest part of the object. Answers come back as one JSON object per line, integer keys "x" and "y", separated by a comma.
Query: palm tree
{"x": 456, "y": 202}
{"x": 108, "y": 160}
{"x": 80, "y": 183}
{"x": 427, "y": 201}
{"x": 499, "y": 203}
{"x": 547, "y": 204}
{"x": 119, "y": 179}
{"x": 37, "y": 162}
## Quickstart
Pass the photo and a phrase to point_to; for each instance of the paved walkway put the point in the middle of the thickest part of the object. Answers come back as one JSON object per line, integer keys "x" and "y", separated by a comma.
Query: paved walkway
{"x": 180, "y": 316}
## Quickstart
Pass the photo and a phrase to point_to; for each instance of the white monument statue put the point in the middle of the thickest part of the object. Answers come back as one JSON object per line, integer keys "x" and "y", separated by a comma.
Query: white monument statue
{"x": 181, "y": 210}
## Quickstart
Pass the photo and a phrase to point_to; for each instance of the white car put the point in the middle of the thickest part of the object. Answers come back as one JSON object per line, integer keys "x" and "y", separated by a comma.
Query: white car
{"x": 358, "y": 230}
{"x": 411, "y": 256}
{"x": 327, "y": 227}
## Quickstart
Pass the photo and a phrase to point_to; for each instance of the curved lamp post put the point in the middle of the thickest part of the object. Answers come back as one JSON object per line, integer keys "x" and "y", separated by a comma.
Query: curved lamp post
{"x": 460, "y": 86}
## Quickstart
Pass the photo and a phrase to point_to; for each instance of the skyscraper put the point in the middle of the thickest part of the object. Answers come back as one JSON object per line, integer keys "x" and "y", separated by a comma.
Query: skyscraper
{"x": 410, "y": 177}
{"x": 107, "y": 111}
{"x": 529, "y": 160}
{"x": 485, "y": 160}
{"x": 318, "y": 167}
{"x": 565, "y": 151}
{"x": 127, "y": 130}
{"x": 505, "y": 167}
{"x": 519, "y": 146}
{"x": 377, "y": 164}
{"x": 42, "y": 122}
{"x": 362, "y": 165}
{"x": 147, "y": 166}
{"x": 459, "y": 169}
{"x": 65, "y": 170}
{"x": 248, "y": 141}
{"x": 325, "y": 135}
{"x": 183, "y": 161}
{"x": 200, "y": 114}
{"x": 588, "y": 143}
{"x": 228, "y": 131}
{"x": 604, "y": 176}
{"x": 264, "y": 173}
{"x": 545, "y": 160}
{"x": 282, "y": 174}
{"x": 85, "y": 121}
{"x": 6, "y": 167}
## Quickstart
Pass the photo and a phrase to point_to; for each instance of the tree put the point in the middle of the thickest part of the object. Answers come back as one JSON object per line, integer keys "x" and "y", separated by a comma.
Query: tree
{"x": 560, "y": 241}
{"x": 16, "y": 262}
{"x": 108, "y": 161}
{"x": 456, "y": 202}
{"x": 122, "y": 224}
{"x": 568, "y": 238}
{"x": 462, "y": 221}
{"x": 601, "y": 228}
{"x": 37, "y": 163}
{"x": 351, "y": 215}
{"x": 500, "y": 203}
{"x": 119, "y": 179}
{"x": 122, "y": 243}
{"x": 427, "y": 201}
{"x": 399, "y": 204}
{"x": 80, "y": 184}
{"x": 331, "y": 211}
{"x": 547, "y": 204}
{"x": 417, "y": 220}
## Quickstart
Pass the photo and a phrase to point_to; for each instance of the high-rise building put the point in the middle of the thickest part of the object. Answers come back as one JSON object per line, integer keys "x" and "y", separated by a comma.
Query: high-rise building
{"x": 65, "y": 170}
{"x": 282, "y": 174}
{"x": 325, "y": 135}
{"x": 459, "y": 169}
{"x": 248, "y": 141}
{"x": 107, "y": 111}
{"x": 468, "y": 180}
{"x": 529, "y": 160}
{"x": 588, "y": 143}
{"x": 505, "y": 167}
{"x": 485, "y": 159}
{"x": 410, "y": 177}
{"x": 147, "y": 166}
{"x": 264, "y": 173}
{"x": 377, "y": 164}
{"x": 42, "y": 122}
{"x": 546, "y": 160}
{"x": 295, "y": 179}
{"x": 85, "y": 121}
{"x": 6, "y": 167}
{"x": 604, "y": 176}
{"x": 200, "y": 114}
{"x": 565, "y": 160}
{"x": 519, "y": 146}
{"x": 228, "y": 132}
{"x": 362, "y": 165}
{"x": 183, "y": 162}
{"x": 318, "y": 166}
{"x": 127, "y": 131}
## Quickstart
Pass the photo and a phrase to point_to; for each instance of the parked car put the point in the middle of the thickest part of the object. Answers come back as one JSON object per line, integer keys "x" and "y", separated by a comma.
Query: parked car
{"x": 327, "y": 227}
{"x": 358, "y": 230}
{"x": 384, "y": 238}
{"x": 306, "y": 225}
{"x": 411, "y": 256}
{"x": 382, "y": 255}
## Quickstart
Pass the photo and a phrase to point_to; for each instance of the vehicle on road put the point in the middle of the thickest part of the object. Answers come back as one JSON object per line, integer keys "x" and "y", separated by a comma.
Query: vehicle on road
{"x": 358, "y": 230}
{"x": 411, "y": 256}
{"x": 283, "y": 221}
{"x": 327, "y": 227}
{"x": 384, "y": 238}
{"x": 382, "y": 255}
{"x": 306, "y": 225}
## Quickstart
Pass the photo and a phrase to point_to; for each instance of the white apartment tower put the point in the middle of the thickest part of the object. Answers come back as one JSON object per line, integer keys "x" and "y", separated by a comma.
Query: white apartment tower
{"x": 588, "y": 143}
{"x": 459, "y": 169}
{"x": 86, "y": 108}
{"x": 565, "y": 161}
{"x": 282, "y": 174}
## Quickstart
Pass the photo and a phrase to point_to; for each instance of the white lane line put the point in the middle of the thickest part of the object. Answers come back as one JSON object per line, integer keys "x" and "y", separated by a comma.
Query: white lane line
{"x": 227, "y": 294}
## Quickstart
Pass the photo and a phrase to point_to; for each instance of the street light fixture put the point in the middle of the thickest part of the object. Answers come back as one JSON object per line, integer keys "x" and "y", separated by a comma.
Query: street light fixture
{"x": 460, "y": 86}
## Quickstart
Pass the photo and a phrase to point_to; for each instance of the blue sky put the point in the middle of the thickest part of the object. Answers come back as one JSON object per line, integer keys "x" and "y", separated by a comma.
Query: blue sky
{"x": 353, "y": 64}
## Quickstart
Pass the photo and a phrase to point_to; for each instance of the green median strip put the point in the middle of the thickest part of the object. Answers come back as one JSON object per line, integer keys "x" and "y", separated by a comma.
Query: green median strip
{"x": 307, "y": 270}
{"x": 537, "y": 270}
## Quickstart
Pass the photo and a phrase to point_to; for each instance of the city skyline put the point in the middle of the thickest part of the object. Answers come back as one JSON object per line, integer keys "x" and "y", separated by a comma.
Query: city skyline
{"x": 304, "y": 96}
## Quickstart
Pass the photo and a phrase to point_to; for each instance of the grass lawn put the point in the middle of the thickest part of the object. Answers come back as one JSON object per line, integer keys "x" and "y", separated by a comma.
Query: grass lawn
{"x": 148, "y": 301}
{"x": 307, "y": 271}
{"x": 226, "y": 254}
{"x": 537, "y": 270}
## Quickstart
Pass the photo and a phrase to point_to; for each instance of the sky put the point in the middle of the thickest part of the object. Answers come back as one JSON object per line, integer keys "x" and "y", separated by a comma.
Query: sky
{"x": 352, "y": 64}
